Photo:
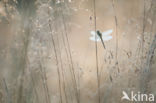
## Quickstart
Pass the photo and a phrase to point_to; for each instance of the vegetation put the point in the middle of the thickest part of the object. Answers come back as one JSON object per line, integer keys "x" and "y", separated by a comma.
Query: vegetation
{"x": 46, "y": 55}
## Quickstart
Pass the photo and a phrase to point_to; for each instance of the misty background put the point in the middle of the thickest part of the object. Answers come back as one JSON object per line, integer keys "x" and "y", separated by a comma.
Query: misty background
{"x": 46, "y": 55}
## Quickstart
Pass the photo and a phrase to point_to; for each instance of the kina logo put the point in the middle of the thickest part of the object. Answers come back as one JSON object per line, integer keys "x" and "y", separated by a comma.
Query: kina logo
{"x": 137, "y": 97}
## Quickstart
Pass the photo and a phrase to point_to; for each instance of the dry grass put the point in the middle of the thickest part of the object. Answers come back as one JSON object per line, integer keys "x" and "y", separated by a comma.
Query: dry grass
{"x": 37, "y": 60}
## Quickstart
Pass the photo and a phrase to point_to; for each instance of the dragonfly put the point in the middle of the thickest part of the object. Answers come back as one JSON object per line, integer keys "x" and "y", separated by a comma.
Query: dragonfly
{"x": 98, "y": 36}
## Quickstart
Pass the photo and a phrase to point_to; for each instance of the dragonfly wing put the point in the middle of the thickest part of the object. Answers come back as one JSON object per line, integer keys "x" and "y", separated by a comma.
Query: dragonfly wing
{"x": 107, "y": 32}
{"x": 93, "y": 33}
{"x": 106, "y": 38}
{"x": 93, "y": 39}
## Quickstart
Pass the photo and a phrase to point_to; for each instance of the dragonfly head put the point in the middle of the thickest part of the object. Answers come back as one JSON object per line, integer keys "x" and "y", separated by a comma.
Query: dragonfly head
{"x": 98, "y": 33}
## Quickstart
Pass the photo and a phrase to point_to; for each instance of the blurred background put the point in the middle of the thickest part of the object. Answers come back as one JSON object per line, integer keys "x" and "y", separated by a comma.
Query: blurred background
{"x": 46, "y": 55}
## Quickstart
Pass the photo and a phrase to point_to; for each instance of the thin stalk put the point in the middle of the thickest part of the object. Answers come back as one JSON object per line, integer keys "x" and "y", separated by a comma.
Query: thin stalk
{"x": 62, "y": 69}
{"x": 46, "y": 90}
{"x": 56, "y": 56}
{"x": 116, "y": 28}
{"x": 96, "y": 53}
{"x": 146, "y": 69}
{"x": 7, "y": 91}
{"x": 33, "y": 82}
{"x": 70, "y": 56}
{"x": 143, "y": 30}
